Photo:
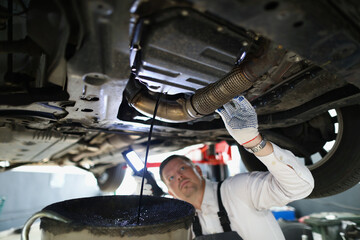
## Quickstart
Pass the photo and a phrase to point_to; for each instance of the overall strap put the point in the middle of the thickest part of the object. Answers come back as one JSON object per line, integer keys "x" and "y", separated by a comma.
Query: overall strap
{"x": 197, "y": 227}
{"x": 223, "y": 216}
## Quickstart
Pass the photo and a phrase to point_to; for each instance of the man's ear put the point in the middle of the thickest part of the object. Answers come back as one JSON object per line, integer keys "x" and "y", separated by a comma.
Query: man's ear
{"x": 198, "y": 169}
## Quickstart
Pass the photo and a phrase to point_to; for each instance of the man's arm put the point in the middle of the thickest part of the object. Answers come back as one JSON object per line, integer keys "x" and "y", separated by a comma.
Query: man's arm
{"x": 287, "y": 179}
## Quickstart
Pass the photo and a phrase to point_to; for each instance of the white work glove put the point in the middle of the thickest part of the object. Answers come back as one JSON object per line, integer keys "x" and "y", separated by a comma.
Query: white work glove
{"x": 147, "y": 190}
{"x": 240, "y": 119}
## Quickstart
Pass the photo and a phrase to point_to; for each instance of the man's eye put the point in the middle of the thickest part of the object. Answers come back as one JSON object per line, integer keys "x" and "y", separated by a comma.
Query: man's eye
{"x": 182, "y": 168}
{"x": 171, "y": 178}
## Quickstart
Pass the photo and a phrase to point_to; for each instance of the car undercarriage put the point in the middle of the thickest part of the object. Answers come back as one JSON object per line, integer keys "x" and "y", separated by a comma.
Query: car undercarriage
{"x": 80, "y": 80}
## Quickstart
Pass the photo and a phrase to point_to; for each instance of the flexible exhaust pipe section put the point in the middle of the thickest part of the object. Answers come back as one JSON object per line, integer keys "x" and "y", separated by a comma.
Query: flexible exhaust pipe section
{"x": 206, "y": 100}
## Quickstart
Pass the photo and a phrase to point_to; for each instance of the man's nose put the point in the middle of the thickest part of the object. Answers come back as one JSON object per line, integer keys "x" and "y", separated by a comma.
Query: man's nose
{"x": 180, "y": 176}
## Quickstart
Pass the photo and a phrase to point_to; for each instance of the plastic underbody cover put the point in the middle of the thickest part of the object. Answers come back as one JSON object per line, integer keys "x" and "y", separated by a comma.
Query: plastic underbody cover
{"x": 24, "y": 142}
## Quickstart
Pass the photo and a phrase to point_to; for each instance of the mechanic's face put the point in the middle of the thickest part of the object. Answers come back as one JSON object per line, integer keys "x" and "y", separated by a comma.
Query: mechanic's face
{"x": 183, "y": 180}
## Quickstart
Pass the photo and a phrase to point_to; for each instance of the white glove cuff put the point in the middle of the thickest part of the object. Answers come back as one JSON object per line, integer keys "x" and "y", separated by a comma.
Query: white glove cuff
{"x": 244, "y": 135}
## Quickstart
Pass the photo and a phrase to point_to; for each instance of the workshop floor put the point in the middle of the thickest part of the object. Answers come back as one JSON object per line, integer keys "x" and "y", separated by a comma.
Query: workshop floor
{"x": 35, "y": 233}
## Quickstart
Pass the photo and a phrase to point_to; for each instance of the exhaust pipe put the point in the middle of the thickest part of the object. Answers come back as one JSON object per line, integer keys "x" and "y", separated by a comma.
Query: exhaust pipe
{"x": 206, "y": 100}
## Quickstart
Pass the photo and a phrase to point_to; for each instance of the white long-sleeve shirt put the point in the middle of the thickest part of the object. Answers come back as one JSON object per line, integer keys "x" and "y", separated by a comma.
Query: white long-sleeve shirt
{"x": 248, "y": 196}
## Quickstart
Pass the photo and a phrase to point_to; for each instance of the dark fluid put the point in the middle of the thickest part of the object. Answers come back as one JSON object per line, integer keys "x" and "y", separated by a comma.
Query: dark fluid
{"x": 146, "y": 157}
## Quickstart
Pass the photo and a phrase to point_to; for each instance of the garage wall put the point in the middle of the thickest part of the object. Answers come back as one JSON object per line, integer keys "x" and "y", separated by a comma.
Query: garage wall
{"x": 28, "y": 192}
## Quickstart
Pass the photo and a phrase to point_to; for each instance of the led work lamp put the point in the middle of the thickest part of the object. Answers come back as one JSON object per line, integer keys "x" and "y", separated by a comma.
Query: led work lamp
{"x": 137, "y": 165}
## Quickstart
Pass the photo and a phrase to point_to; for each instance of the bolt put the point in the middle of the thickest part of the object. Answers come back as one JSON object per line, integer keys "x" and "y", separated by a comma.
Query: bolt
{"x": 293, "y": 57}
{"x": 184, "y": 13}
{"x": 104, "y": 9}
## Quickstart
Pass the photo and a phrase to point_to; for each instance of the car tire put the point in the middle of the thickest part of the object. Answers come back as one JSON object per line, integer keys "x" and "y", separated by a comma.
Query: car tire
{"x": 338, "y": 169}
{"x": 111, "y": 178}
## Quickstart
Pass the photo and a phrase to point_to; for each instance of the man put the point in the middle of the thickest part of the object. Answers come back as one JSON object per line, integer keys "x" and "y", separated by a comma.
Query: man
{"x": 245, "y": 197}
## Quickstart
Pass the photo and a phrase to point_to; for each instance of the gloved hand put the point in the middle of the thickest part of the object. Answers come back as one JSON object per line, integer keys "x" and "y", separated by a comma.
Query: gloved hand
{"x": 240, "y": 119}
{"x": 147, "y": 190}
